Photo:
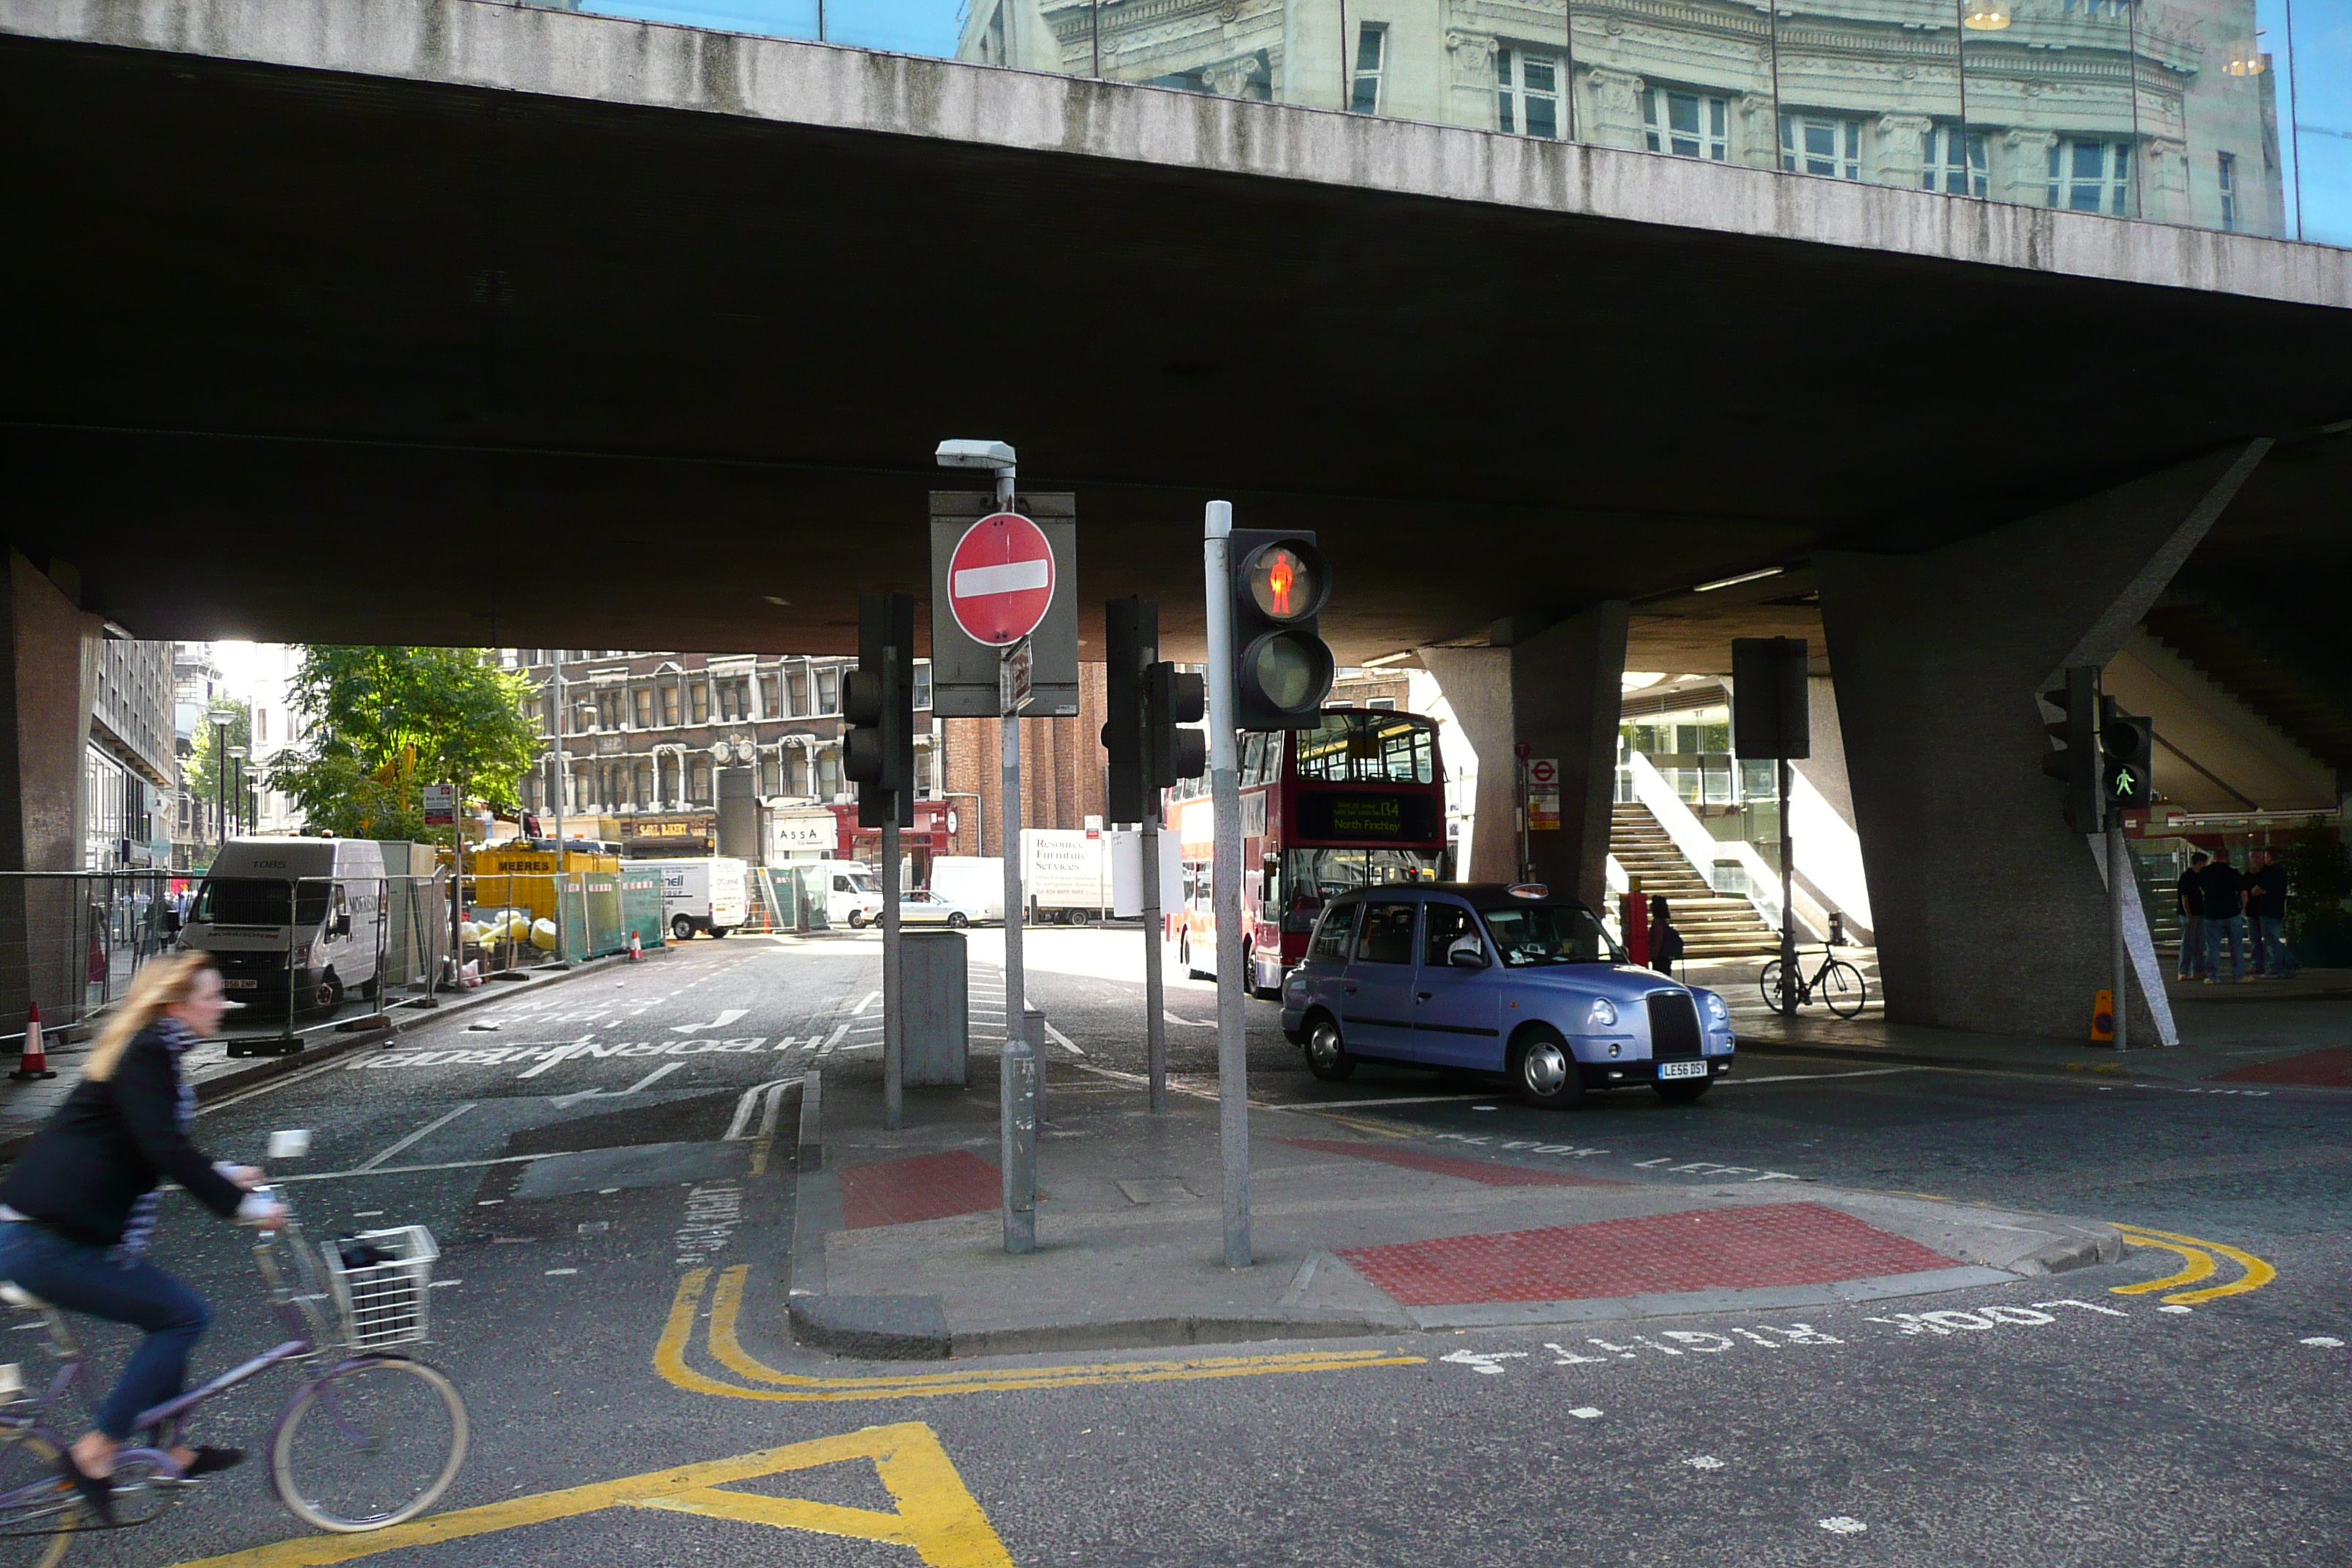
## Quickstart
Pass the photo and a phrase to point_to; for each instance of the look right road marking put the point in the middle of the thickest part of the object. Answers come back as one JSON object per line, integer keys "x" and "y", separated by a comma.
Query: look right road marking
{"x": 2197, "y": 1256}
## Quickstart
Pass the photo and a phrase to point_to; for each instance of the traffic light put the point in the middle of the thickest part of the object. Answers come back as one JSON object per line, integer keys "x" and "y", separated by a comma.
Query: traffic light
{"x": 2075, "y": 760}
{"x": 2128, "y": 747}
{"x": 1130, "y": 642}
{"x": 878, "y": 702}
{"x": 1281, "y": 671}
{"x": 1173, "y": 699}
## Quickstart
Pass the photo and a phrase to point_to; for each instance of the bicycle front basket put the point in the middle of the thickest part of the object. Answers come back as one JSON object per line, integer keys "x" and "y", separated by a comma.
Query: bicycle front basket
{"x": 381, "y": 1281}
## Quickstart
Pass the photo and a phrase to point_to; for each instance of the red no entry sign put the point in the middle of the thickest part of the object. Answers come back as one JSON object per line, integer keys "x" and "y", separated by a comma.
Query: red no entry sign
{"x": 1001, "y": 579}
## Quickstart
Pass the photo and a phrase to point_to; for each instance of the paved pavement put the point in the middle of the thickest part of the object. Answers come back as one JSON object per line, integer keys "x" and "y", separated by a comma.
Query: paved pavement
{"x": 605, "y": 1166}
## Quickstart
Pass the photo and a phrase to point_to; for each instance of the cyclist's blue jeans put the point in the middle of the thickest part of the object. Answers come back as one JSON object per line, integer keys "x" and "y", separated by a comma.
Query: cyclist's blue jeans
{"x": 93, "y": 1280}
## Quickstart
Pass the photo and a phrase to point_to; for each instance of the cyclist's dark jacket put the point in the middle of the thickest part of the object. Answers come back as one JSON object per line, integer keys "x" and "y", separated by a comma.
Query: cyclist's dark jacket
{"x": 108, "y": 1146}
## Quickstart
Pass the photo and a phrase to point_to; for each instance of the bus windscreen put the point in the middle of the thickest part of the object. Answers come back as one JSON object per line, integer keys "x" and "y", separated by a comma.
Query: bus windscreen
{"x": 1367, "y": 748}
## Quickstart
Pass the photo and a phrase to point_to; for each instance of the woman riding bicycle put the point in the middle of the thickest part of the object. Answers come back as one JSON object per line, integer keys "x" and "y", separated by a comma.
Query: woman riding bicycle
{"x": 80, "y": 1204}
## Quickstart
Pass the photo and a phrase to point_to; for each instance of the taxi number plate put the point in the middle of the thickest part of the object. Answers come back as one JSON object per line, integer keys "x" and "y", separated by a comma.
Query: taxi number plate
{"x": 241, "y": 984}
{"x": 1682, "y": 1070}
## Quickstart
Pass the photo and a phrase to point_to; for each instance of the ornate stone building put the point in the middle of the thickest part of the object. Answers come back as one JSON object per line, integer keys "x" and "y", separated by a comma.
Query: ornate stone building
{"x": 2157, "y": 111}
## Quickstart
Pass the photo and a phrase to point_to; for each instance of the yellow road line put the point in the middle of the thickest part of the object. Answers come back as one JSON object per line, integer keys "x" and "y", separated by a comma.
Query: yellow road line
{"x": 2257, "y": 1273}
{"x": 936, "y": 1514}
{"x": 669, "y": 1360}
{"x": 2200, "y": 1266}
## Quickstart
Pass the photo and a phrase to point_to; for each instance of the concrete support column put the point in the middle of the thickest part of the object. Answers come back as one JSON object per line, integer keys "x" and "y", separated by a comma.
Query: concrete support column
{"x": 1476, "y": 682}
{"x": 1566, "y": 688}
{"x": 1990, "y": 914}
{"x": 46, "y": 693}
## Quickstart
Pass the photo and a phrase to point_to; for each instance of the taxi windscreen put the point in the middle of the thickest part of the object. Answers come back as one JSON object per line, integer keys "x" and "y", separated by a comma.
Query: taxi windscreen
{"x": 1534, "y": 933}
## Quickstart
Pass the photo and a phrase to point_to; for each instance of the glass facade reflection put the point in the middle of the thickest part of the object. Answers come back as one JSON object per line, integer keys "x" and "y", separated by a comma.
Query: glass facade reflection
{"x": 2202, "y": 112}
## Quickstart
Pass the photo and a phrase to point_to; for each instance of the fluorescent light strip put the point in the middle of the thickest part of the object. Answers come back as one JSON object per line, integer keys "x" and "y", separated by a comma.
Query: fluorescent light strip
{"x": 1743, "y": 577}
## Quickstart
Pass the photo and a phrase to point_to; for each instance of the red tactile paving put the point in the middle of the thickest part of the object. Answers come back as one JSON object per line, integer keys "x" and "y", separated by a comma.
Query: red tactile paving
{"x": 1777, "y": 1244}
{"x": 930, "y": 1186}
{"x": 1489, "y": 1172}
{"x": 2328, "y": 1069}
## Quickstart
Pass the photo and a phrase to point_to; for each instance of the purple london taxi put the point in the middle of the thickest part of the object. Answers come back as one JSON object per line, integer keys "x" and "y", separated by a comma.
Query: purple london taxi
{"x": 1499, "y": 979}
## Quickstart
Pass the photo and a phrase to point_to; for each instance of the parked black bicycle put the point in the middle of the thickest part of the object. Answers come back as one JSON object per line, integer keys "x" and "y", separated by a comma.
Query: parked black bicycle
{"x": 1836, "y": 985}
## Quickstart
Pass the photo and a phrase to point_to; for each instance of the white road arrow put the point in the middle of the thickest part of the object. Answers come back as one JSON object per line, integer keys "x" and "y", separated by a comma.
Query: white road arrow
{"x": 661, "y": 1071}
{"x": 721, "y": 1022}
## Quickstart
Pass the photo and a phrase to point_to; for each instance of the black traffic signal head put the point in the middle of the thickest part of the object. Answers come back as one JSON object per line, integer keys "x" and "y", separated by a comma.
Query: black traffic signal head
{"x": 2127, "y": 750}
{"x": 1173, "y": 700}
{"x": 878, "y": 702}
{"x": 1130, "y": 642}
{"x": 2075, "y": 761}
{"x": 1281, "y": 671}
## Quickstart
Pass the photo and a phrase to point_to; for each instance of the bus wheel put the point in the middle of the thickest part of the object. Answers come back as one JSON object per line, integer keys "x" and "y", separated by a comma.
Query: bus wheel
{"x": 1327, "y": 1053}
{"x": 1184, "y": 957}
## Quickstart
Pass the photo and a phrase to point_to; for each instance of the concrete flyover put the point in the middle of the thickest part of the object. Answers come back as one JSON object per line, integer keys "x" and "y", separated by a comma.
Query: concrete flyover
{"x": 448, "y": 320}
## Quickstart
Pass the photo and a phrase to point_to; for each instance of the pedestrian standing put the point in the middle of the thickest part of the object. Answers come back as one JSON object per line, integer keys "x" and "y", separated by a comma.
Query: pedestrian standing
{"x": 2224, "y": 914}
{"x": 1665, "y": 942}
{"x": 2190, "y": 895}
{"x": 2266, "y": 905}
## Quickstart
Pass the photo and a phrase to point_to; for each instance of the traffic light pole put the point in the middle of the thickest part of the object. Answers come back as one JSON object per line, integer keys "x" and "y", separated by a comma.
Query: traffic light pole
{"x": 1225, "y": 790}
{"x": 2119, "y": 884}
{"x": 894, "y": 1021}
{"x": 1155, "y": 995}
{"x": 1788, "y": 983}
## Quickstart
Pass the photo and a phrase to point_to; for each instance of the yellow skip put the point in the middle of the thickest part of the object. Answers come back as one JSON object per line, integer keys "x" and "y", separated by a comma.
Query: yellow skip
{"x": 727, "y": 1349}
{"x": 2200, "y": 1254}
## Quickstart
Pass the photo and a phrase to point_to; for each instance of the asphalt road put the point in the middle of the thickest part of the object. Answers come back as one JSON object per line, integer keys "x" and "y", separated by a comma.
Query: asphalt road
{"x": 2039, "y": 1422}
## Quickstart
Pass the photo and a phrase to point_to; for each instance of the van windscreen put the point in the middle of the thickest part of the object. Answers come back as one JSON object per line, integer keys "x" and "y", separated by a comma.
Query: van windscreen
{"x": 256, "y": 902}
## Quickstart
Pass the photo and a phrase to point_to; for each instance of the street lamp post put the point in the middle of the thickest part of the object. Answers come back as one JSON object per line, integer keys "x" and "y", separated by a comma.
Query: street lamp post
{"x": 237, "y": 798}
{"x": 220, "y": 781}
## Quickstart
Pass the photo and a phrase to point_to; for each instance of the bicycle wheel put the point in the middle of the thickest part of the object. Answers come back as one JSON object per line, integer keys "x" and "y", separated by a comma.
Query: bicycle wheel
{"x": 373, "y": 1443}
{"x": 1841, "y": 986}
{"x": 39, "y": 1512}
{"x": 1769, "y": 983}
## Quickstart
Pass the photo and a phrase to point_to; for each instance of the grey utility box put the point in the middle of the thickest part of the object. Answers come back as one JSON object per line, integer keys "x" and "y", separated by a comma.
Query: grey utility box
{"x": 937, "y": 998}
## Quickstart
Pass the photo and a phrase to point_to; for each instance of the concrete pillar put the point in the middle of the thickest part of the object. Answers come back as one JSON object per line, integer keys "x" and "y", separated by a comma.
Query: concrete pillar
{"x": 1476, "y": 682}
{"x": 1990, "y": 914}
{"x": 1567, "y": 691}
{"x": 46, "y": 693}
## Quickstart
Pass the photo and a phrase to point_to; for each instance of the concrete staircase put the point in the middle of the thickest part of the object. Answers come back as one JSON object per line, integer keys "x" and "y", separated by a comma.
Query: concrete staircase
{"x": 1714, "y": 925}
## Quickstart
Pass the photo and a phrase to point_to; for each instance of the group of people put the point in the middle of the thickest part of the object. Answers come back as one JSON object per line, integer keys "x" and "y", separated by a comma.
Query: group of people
{"x": 2220, "y": 904}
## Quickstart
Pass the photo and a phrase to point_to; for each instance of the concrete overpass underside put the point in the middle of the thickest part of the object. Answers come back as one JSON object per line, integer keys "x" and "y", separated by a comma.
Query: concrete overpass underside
{"x": 333, "y": 331}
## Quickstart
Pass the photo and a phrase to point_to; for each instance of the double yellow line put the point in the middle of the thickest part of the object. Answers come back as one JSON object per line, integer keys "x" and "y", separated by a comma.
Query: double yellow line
{"x": 726, "y": 1348}
{"x": 2199, "y": 1263}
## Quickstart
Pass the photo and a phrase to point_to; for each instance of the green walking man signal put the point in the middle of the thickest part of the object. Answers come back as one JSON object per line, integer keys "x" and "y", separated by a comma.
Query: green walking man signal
{"x": 2127, "y": 749}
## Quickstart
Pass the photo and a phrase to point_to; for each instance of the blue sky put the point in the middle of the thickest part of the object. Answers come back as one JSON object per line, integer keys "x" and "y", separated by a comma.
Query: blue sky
{"x": 906, "y": 26}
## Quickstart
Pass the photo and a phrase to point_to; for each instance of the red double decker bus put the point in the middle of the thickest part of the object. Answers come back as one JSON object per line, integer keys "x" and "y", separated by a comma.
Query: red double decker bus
{"x": 1357, "y": 801}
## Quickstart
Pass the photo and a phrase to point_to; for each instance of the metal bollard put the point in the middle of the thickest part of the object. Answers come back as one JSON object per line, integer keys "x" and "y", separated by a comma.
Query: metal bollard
{"x": 1033, "y": 1029}
{"x": 1020, "y": 1151}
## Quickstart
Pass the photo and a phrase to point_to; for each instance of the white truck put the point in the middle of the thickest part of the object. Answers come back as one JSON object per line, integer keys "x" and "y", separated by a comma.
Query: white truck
{"x": 852, "y": 897}
{"x": 709, "y": 893}
{"x": 299, "y": 913}
{"x": 1067, "y": 876}
{"x": 972, "y": 883}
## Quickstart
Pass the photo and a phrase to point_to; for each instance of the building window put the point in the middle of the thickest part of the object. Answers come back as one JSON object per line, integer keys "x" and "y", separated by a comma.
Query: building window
{"x": 698, "y": 696}
{"x": 828, "y": 774}
{"x": 2091, "y": 177}
{"x": 646, "y": 784}
{"x": 1688, "y": 124}
{"x": 2229, "y": 172}
{"x": 922, "y": 683}
{"x": 669, "y": 704}
{"x": 702, "y": 781}
{"x": 768, "y": 695}
{"x": 1945, "y": 171}
{"x": 608, "y": 709}
{"x": 828, "y": 690}
{"x": 772, "y": 771}
{"x": 1813, "y": 144}
{"x": 796, "y": 686}
{"x": 1526, "y": 93}
{"x": 1371, "y": 58}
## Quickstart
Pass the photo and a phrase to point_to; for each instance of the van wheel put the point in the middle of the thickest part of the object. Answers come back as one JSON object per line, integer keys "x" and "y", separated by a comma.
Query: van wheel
{"x": 330, "y": 992}
{"x": 1544, "y": 1070}
{"x": 681, "y": 930}
{"x": 858, "y": 919}
{"x": 1326, "y": 1052}
{"x": 957, "y": 920}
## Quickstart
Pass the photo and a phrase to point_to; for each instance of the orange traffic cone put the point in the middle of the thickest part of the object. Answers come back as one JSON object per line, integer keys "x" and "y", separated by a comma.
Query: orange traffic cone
{"x": 37, "y": 1056}
{"x": 636, "y": 947}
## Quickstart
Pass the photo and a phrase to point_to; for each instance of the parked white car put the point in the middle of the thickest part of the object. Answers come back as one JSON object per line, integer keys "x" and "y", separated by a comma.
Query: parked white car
{"x": 923, "y": 909}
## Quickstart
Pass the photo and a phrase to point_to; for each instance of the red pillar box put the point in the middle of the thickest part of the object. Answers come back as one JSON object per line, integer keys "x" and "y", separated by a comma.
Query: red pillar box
{"x": 1634, "y": 922}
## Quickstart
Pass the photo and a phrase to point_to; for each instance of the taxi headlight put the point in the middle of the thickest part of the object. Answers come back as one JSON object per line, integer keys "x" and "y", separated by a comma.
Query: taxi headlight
{"x": 1717, "y": 1010}
{"x": 1603, "y": 1015}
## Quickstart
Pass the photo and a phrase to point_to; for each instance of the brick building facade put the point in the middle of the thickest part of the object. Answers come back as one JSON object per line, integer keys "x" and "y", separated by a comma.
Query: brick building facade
{"x": 1062, "y": 770}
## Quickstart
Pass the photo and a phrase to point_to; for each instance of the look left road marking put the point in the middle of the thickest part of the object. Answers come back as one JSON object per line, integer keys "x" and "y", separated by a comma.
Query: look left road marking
{"x": 935, "y": 1513}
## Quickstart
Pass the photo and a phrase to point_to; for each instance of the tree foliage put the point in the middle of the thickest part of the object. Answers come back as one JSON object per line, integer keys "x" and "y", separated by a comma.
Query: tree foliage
{"x": 385, "y": 721}
{"x": 202, "y": 775}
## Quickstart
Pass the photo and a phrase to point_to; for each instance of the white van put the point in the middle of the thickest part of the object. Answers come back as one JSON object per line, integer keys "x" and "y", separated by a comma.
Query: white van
{"x": 852, "y": 897}
{"x": 974, "y": 883}
{"x": 712, "y": 893}
{"x": 305, "y": 911}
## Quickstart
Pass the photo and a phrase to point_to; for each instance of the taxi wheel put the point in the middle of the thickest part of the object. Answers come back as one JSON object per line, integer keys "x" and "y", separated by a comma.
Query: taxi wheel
{"x": 1544, "y": 1070}
{"x": 1327, "y": 1053}
{"x": 1682, "y": 1092}
{"x": 958, "y": 920}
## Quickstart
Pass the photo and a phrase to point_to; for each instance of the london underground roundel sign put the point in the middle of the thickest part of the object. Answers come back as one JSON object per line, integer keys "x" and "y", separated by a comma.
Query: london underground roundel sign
{"x": 1001, "y": 579}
